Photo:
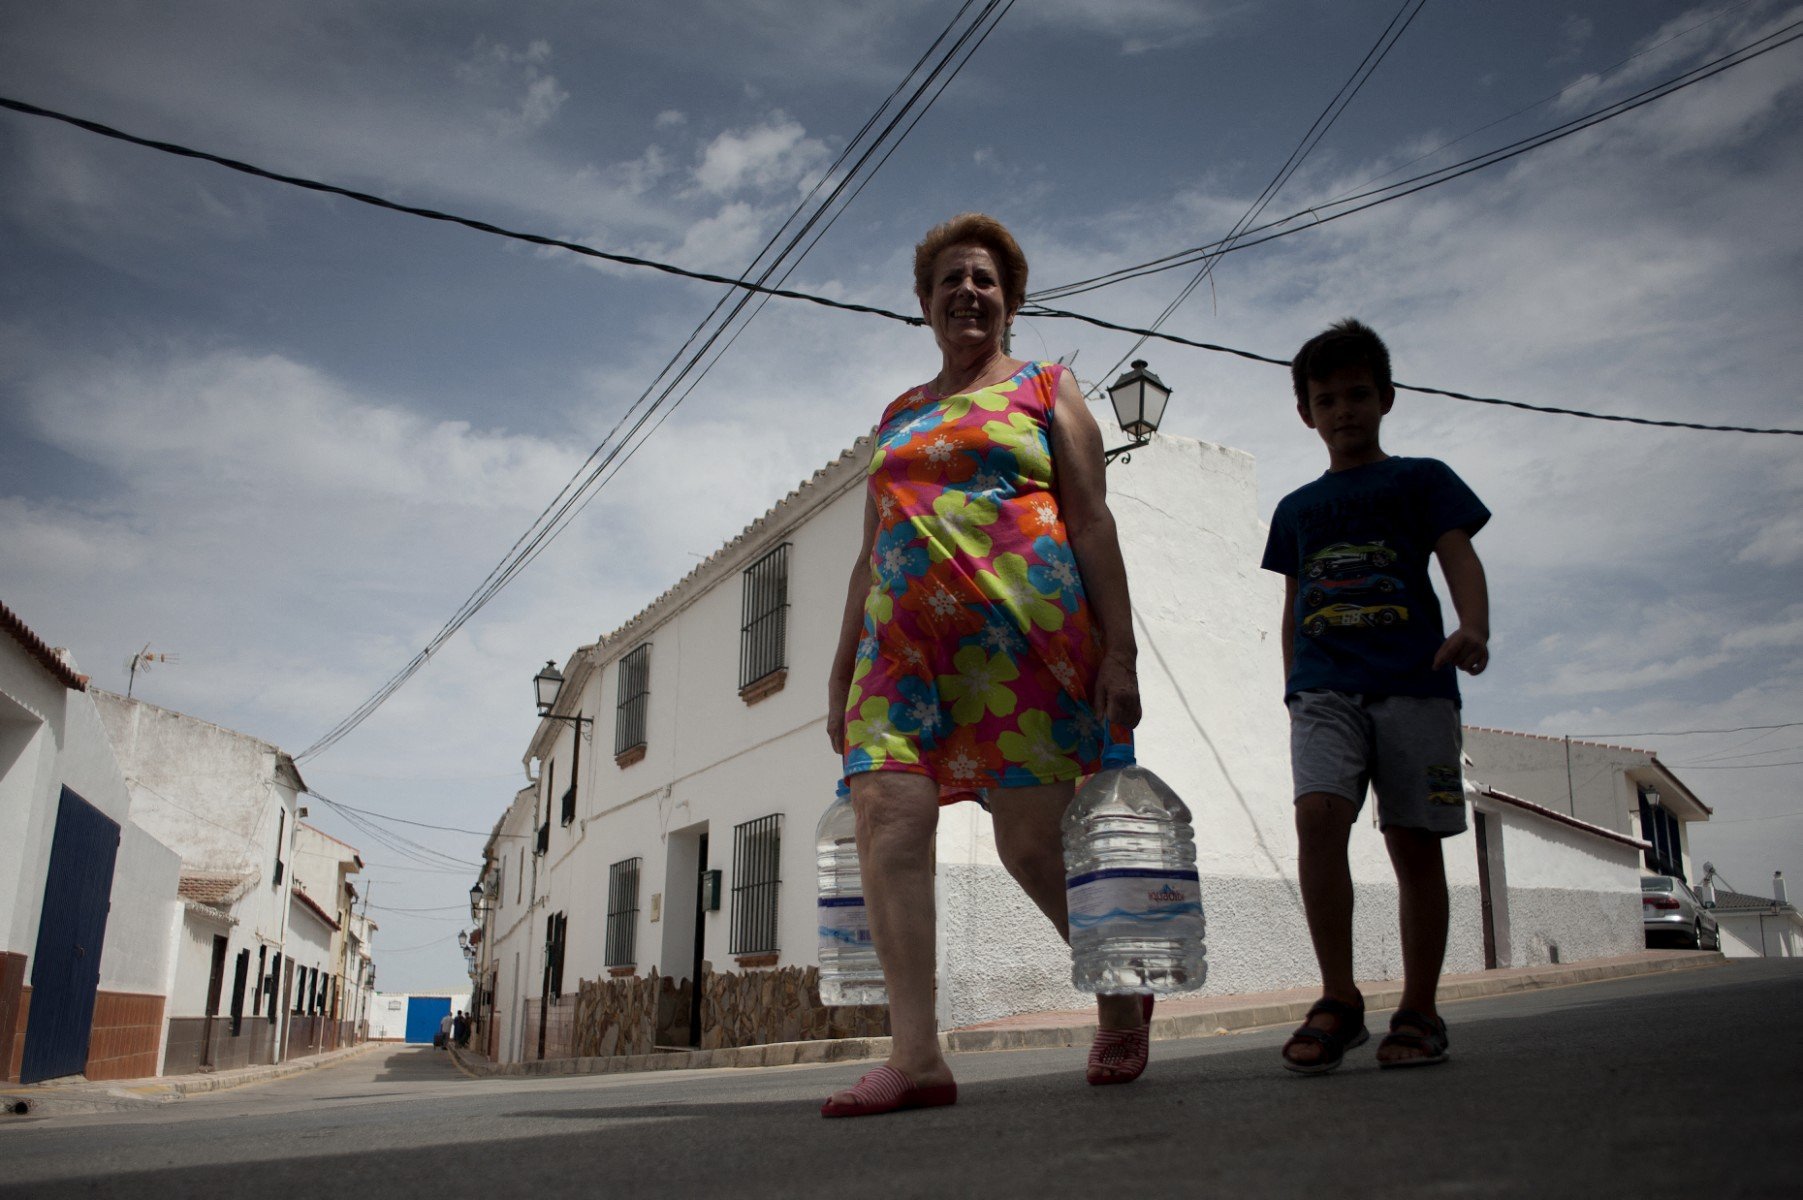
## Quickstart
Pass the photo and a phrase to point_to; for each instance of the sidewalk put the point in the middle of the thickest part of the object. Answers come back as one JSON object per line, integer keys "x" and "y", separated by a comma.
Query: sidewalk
{"x": 1179, "y": 1017}
{"x": 61, "y": 1097}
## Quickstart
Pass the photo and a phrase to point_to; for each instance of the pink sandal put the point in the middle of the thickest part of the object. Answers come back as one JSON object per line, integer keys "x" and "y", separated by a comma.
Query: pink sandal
{"x": 1119, "y": 1055}
{"x": 887, "y": 1090}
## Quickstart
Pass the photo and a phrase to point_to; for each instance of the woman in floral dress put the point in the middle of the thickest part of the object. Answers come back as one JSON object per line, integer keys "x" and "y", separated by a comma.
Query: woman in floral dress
{"x": 987, "y": 644}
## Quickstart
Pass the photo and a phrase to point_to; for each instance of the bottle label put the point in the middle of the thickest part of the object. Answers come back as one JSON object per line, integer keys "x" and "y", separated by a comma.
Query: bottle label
{"x": 1127, "y": 899}
{"x": 843, "y": 921}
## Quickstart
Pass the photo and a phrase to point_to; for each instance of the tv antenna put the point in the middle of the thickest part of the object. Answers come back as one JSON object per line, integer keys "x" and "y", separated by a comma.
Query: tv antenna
{"x": 141, "y": 662}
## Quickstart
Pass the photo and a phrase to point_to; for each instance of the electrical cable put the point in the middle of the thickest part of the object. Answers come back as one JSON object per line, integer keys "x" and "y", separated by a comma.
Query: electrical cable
{"x": 1323, "y": 122}
{"x": 1686, "y": 732}
{"x": 569, "y": 500}
{"x": 1447, "y": 174}
{"x": 339, "y": 804}
{"x": 1035, "y": 310}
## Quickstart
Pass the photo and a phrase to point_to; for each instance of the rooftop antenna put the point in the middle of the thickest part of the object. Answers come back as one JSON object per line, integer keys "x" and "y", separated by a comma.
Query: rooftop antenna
{"x": 141, "y": 662}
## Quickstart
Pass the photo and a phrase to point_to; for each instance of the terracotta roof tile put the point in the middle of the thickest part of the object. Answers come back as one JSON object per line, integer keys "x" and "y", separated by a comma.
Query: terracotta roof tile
{"x": 216, "y": 888}
{"x": 40, "y": 650}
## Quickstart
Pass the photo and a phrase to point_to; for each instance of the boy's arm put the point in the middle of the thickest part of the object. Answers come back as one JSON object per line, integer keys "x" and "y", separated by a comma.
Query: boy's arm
{"x": 1288, "y": 627}
{"x": 1469, "y": 646}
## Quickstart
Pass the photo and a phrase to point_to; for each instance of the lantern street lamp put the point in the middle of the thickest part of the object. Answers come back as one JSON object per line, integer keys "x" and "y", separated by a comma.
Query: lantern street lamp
{"x": 546, "y": 685}
{"x": 1139, "y": 398}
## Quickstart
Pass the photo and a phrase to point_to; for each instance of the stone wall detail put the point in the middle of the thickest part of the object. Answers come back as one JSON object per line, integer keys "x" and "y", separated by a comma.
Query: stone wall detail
{"x": 638, "y": 1015}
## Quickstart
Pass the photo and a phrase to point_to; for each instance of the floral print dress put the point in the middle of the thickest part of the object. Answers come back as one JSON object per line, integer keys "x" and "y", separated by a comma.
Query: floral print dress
{"x": 979, "y": 654}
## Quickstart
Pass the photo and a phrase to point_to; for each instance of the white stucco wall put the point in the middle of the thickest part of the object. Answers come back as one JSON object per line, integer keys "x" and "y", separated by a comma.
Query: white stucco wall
{"x": 1756, "y": 935}
{"x": 1207, "y": 621}
{"x": 52, "y": 737}
{"x": 388, "y": 1012}
{"x": 1560, "y": 890}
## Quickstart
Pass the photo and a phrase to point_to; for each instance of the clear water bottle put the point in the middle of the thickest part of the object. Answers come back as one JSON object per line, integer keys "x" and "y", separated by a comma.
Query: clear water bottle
{"x": 849, "y": 971}
{"x": 1131, "y": 884}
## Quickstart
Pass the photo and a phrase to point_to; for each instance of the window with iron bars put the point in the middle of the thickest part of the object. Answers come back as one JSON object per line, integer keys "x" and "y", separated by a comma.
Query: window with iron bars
{"x": 569, "y": 793}
{"x": 634, "y": 699}
{"x": 756, "y": 881}
{"x": 557, "y": 927}
{"x": 764, "y": 632}
{"x": 622, "y": 913}
{"x": 1659, "y": 828}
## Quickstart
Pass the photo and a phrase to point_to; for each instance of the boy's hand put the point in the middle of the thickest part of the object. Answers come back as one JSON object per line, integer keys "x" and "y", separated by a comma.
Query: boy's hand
{"x": 1466, "y": 650}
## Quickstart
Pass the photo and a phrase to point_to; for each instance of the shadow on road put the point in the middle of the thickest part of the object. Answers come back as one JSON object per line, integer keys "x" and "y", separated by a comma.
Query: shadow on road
{"x": 416, "y": 1064}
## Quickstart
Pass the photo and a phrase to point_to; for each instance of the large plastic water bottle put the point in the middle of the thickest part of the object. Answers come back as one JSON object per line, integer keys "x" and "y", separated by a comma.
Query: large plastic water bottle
{"x": 849, "y": 971}
{"x": 1131, "y": 885}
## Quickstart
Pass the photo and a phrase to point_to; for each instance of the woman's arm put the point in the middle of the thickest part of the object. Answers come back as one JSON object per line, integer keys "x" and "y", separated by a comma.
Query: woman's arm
{"x": 1079, "y": 475}
{"x": 851, "y": 625}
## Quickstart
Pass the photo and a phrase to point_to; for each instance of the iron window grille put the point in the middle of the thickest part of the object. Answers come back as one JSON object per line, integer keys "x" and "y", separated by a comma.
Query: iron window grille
{"x": 634, "y": 699}
{"x": 556, "y": 929}
{"x": 622, "y": 912}
{"x": 764, "y": 631}
{"x": 240, "y": 973}
{"x": 756, "y": 882}
{"x": 569, "y": 793}
{"x": 1660, "y": 828}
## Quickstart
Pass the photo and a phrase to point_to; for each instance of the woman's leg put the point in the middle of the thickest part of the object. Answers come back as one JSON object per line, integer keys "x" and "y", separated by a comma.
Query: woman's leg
{"x": 897, "y": 815}
{"x": 1029, "y": 837}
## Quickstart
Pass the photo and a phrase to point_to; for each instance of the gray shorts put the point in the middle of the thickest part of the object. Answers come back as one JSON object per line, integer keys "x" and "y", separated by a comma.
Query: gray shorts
{"x": 1407, "y": 748}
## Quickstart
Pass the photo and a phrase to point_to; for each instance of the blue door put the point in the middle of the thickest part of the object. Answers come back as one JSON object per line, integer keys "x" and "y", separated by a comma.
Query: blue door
{"x": 65, "y": 971}
{"x": 423, "y": 1016}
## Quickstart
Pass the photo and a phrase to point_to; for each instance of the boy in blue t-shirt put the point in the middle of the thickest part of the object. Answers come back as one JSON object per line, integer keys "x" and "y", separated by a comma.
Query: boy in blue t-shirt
{"x": 1371, "y": 686}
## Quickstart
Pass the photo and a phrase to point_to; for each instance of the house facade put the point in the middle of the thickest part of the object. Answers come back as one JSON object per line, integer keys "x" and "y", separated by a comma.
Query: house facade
{"x": 323, "y": 870}
{"x": 228, "y": 803}
{"x": 654, "y": 882}
{"x": 1618, "y": 788}
{"x": 88, "y": 903}
{"x": 1756, "y": 926}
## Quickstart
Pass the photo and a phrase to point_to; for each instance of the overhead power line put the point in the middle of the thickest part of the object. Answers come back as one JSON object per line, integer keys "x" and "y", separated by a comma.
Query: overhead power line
{"x": 1687, "y": 732}
{"x": 1323, "y": 122}
{"x": 1030, "y": 310}
{"x": 691, "y": 361}
{"x": 1324, "y": 213}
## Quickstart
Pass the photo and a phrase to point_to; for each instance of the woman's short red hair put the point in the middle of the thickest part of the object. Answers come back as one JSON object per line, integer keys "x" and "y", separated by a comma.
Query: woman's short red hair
{"x": 974, "y": 229}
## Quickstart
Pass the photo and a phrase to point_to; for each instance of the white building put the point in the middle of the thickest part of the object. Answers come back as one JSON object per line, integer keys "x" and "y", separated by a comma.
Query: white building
{"x": 88, "y": 903}
{"x": 1758, "y": 926}
{"x": 227, "y": 803}
{"x": 323, "y": 866}
{"x": 671, "y": 829}
{"x": 1618, "y": 788}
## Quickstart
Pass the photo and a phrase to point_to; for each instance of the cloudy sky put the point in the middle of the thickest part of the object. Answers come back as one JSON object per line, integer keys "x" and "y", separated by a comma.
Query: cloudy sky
{"x": 281, "y": 435}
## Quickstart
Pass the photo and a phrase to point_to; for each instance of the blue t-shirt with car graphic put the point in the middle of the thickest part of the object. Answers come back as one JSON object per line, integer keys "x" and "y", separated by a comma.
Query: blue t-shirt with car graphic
{"x": 1357, "y": 543}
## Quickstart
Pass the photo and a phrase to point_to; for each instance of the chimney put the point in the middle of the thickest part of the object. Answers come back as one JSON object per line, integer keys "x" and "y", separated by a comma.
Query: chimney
{"x": 1778, "y": 887}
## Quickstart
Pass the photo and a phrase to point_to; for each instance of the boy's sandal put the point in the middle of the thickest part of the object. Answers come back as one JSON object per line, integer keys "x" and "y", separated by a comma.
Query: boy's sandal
{"x": 1120, "y": 1055}
{"x": 1415, "y": 1031}
{"x": 887, "y": 1090}
{"x": 1349, "y": 1032}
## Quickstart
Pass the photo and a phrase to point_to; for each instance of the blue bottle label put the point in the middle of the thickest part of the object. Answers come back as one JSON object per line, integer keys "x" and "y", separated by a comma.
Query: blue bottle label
{"x": 1129, "y": 899}
{"x": 844, "y": 921}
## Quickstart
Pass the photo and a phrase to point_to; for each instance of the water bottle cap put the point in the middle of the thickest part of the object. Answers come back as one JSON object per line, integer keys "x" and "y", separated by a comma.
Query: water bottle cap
{"x": 842, "y": 789}
{"x": 1118, "y": 754}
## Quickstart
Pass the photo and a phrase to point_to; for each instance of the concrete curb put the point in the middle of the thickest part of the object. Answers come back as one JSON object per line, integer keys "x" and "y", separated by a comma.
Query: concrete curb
{"x": 1078, "y": 1032}
{"x": 53, "y": 1098}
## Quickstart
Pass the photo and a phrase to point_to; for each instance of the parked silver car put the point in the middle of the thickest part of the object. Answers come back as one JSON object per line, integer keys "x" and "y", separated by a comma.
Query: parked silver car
{"x": 1669, "y": 910}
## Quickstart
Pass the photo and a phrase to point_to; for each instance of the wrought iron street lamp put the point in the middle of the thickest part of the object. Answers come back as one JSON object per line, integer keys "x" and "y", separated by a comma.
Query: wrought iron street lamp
{"x": 1139, "y": 398}
{"x": 546, "y": 685}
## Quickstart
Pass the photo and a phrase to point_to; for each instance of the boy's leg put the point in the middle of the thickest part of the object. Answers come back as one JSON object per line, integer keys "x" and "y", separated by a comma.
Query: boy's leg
{"x": 1323, "y": 828}
{"x": 1421, "y": 882}
{"x": 1420, "y": 802}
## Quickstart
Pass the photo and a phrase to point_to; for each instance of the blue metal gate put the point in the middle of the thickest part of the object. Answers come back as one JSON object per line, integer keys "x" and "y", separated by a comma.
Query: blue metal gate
{"x": 65, "y": 971}
{"x": 424, "y": 1015}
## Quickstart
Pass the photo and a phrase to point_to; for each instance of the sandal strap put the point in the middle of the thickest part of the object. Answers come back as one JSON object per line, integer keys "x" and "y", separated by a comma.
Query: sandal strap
{"x": 1349, "y": 1014}
{"x": 884, "y": 1085}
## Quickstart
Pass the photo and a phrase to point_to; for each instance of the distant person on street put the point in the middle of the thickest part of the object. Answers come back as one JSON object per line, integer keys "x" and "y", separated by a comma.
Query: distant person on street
{"x": 460, "y": 1029}
{"x": 987, "y": 643}
{"x": 1371, "y": 685}
{"x": 445, "y": 1025}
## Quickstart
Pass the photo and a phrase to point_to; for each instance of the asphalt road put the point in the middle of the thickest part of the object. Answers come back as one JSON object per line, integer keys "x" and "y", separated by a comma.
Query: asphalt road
{"x": 1676, "y": 1085}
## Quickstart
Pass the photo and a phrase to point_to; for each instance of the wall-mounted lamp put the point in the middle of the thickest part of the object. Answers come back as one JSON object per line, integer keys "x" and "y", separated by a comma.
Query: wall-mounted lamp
{"x": 1139, "y": 398}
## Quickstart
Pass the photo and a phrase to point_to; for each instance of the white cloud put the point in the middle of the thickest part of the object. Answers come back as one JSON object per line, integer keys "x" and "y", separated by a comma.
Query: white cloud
{"x": 774, "y": 155}
{"x": 1778, "y": 542}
